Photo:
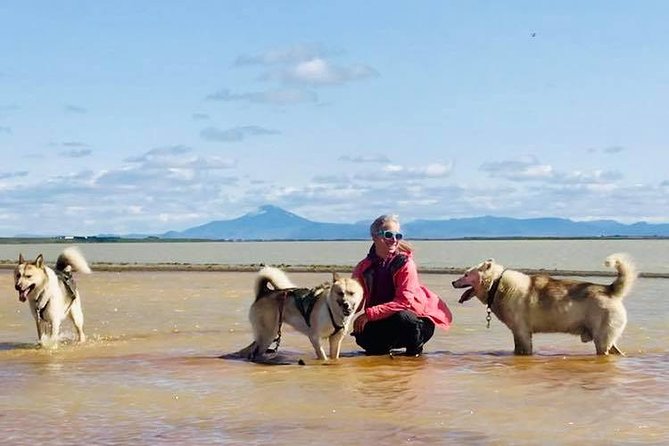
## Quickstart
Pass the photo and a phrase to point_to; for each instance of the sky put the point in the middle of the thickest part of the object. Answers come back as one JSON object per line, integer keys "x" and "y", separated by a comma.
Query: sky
{"x": 147, "y": 116}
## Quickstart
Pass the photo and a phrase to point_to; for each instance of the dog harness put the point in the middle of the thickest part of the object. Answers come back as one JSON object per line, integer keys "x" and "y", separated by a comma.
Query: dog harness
{"x": 67, "y": 279}
{"x": 305, "y": 300}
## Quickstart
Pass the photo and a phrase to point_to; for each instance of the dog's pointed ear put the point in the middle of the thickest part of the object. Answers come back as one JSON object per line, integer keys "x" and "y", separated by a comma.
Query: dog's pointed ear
{"x": 335, "y": 276}
{"x": 39, "y": 261}
{"x": 21, "y": 259}
{"x": 487, "y": 264}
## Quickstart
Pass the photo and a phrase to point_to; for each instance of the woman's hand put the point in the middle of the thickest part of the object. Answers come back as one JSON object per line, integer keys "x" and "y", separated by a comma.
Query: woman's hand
{"x": 359, "y": 323}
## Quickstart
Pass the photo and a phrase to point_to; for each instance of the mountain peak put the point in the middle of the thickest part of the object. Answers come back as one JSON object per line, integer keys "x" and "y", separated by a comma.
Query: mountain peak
{"x": 268, "y": 209}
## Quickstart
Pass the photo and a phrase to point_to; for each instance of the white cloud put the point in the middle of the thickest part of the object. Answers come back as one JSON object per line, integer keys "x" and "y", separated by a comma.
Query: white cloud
{"x": 320, "y": 72}
{"x": 299, "y": 65}
{"x": 287, "y": 55}
{"x": 519, "y": 170}
{"x": 530, "y": 169}
{"x": 394, "y": 172}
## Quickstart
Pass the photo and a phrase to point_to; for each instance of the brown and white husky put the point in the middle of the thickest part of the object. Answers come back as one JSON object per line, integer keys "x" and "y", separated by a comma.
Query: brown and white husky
{"x": 530, "y": 304}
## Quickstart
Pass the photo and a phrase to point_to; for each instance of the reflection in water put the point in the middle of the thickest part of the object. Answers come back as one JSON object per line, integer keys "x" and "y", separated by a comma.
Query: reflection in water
{"x": 151, "y": 374}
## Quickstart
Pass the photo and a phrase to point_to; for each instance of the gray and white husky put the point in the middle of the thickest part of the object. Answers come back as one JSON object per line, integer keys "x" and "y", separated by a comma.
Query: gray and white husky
{"x": 323, "y": 312}
{"x": 52, "y": 293}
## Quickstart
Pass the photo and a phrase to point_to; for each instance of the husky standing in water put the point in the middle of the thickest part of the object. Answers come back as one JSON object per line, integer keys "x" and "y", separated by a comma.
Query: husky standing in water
{"x": 538, "y": 303}
{"x": 52, "y": 293}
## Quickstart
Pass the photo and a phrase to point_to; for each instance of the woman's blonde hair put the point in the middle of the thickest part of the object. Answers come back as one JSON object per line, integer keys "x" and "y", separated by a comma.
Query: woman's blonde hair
{"x": 381, "y": 221}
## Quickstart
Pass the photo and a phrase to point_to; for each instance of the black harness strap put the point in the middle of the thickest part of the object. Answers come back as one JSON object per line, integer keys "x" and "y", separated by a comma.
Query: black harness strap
{"x": 337, "y": 328}
{"x": 305, "y": 300}
{"x": 277, "y": 340}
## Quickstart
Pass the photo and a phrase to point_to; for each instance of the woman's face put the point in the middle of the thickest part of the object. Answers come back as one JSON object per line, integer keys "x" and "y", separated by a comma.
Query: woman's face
{"x": 386, "y": 246}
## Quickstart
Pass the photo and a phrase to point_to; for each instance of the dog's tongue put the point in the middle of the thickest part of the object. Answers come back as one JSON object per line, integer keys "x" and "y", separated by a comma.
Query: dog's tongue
{"x": 468, "y": 294}
{"x": 23, "y": 295}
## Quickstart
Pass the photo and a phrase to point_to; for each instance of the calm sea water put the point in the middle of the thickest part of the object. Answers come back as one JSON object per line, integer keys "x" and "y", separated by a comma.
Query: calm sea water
{"x": 151, "y": 373}
{"x": 586, "y": 255}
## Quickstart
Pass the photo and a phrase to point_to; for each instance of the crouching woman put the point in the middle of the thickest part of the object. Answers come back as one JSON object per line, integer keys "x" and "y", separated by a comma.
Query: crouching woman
{"x": 399, "y": 312}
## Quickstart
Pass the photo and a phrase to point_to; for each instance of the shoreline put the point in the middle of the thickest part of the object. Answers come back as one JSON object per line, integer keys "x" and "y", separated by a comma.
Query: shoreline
{"x": 236, "y": 268}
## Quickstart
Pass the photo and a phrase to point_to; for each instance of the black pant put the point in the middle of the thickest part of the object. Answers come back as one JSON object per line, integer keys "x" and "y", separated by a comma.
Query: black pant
{"x": 400, "y": 330}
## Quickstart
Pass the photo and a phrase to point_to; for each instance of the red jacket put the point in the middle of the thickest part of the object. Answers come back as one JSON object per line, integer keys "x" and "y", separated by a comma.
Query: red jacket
{"x": 410, "y": 294}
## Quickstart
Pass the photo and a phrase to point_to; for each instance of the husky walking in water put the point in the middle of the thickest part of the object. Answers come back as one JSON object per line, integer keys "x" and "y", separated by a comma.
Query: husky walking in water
{"x": 52, "y": 293}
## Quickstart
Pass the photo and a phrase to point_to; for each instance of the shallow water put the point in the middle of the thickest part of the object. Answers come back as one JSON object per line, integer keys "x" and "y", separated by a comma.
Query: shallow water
{"x": 151, "y": 374}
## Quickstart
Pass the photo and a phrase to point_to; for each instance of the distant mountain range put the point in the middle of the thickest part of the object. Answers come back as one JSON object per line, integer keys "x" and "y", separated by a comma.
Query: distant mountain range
{"x": 273, "y": 223}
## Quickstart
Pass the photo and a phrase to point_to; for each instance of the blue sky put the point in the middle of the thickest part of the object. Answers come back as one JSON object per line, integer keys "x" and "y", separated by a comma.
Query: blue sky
{"x": 142, "y": 116}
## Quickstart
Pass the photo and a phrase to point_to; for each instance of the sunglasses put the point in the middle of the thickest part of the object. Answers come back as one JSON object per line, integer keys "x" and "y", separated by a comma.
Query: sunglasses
{"x": 391, "y": 235}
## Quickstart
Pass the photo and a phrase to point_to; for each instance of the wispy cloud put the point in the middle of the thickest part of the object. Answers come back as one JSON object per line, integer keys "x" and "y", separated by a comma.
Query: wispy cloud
{"x": 160, "y": 153}
{"x": 306, "y": 65}
{"x": 200, "y": 116}
{"x": 608, "y": 150}
{"x": 7, "y": 109}
{"x": 357, "y": 159}
{"x": 284, "y": 96}
{"x": 286, "y": 55}
{"x": 178, "y": 157}
{"x": 76, "y": 153}
{"x": 75, "y": 109}
{"x": 235, "y": 134}
{"x": 530, "y": 169}
{"x": 388, "y": 173}
{"x": 8, "y": 175}
{"x": 395, "y": 172}
{"x": 614, "y": 149}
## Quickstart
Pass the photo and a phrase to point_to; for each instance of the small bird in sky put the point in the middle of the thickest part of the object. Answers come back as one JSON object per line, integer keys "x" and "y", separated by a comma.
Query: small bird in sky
{"x": 533, "y": 34}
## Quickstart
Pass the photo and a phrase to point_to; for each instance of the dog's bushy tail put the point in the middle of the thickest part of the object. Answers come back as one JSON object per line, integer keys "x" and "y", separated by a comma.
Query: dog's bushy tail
{"x": 73, "y": 259}
{"x": 626, "y": 274}
{"x": 274, "y": 277}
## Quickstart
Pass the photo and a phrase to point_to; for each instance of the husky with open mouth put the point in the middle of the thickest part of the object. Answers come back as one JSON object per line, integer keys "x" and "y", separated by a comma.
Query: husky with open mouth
{"x": 52, "y": 293}
{"x": 538, "y": 303}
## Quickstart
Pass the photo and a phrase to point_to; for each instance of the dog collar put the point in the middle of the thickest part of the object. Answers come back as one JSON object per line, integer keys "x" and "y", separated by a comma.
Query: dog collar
{"x": 493, "y": 289}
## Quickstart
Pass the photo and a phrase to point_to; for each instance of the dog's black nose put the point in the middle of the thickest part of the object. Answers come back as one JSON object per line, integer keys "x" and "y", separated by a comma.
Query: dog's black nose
{"x": 17, "y": 287}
